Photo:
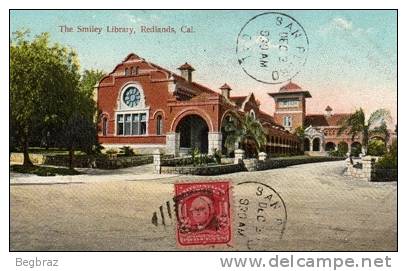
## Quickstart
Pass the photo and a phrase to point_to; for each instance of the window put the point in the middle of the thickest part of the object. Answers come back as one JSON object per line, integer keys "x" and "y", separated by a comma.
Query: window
{"x": 126, "y": 71}
{"x": 288, "y": 102}
{"x": 120, "y": 125}
{"x": 159, "y": 125}
{"x": 287, "y": 122}
{"x": 104, "y": 126}
{"x": 127, "y": 124}
{"x": 131, "y": 124}
{"x": 131, "y": 96}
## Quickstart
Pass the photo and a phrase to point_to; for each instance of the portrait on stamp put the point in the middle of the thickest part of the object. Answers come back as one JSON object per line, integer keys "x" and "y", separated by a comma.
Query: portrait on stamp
{"x": 203, "y": 130}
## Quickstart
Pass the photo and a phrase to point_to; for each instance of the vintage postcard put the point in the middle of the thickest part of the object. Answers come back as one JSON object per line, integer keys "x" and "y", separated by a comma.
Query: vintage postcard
{"x": 203, "y": 130}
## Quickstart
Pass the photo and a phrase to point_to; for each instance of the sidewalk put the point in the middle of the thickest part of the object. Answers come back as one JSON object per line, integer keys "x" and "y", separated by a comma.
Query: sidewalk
{"x": 89, "y": 175}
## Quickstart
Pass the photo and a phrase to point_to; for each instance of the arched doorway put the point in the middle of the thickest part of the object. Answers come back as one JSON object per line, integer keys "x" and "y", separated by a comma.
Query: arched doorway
{"x": 306, "y": 144}
{"x": 343, "y": 147}
{"x": 316, "y": 144}
{"x": 330, "y": 146}
{"x": 193, "y": 133}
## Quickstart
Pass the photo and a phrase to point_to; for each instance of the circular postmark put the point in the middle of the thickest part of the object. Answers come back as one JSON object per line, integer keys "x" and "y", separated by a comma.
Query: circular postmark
{"x": 272, "y": 47}
{"x": 260, "y": 216}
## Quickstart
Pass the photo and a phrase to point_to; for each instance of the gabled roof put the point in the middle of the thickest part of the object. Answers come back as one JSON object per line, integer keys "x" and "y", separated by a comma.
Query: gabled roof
{"x": 238, "y": 100}
{"x": 323, "y": 120}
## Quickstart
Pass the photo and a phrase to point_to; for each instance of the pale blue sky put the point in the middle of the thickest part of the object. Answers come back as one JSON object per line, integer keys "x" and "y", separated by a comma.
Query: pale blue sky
{"x": 352, "y": 59}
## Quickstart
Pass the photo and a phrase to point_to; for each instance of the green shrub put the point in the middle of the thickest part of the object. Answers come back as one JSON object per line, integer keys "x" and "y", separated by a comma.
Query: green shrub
{"x": 195, "y": 154}
{"x": 127, "y": 151}
{"x": 43, "y": 170}
{"x": 217, "y": 155}
{"x": 389, "y": 160}
{"x": 111, "y": 152}
{"x": 376, "y": 148}
{"x": 356, "y": 150}
{"x": 337, "y": 153}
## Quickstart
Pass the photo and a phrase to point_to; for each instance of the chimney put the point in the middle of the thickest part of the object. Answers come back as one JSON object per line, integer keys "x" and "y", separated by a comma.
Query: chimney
{"x": 186, "y": 71}
{"x": 225, "y": 90}
{"x": 328, "y": 111}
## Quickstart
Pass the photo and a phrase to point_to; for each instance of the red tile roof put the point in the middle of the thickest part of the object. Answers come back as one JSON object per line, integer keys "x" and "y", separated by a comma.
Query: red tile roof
{"x": 290, "y": 87}
{"x": 265, "y": 117}
{"x": 238, "y": 100}
{"x": 186, "y": 66}
{"x": 323, "y": 120}
{"x": 225, "y": 86}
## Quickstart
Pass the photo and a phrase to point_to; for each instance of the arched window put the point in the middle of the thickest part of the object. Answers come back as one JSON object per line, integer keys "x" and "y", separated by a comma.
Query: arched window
{"x": 104, "y": 126}
{"x": 126, "y": 71}
{"x": 252, "y": 114}
{"x": 159, "y": 125}
{"x": 287, "y": 122}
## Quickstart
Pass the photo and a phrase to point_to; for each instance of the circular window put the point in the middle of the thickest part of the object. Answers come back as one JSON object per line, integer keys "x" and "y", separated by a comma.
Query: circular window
{"x": 131, "y": 96}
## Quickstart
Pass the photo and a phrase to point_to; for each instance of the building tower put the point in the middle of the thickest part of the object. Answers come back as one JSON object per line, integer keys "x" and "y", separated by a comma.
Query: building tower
{"x": 290, "y": 103}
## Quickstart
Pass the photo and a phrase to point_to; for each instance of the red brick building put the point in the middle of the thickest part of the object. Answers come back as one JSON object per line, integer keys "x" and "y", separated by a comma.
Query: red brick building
{"x": 321, "y": 130}
{"x": 145, "y": 106}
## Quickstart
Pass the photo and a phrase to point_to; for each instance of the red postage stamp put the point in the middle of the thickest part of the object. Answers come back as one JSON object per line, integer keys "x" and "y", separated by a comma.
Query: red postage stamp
{"x": 203, "y": 213}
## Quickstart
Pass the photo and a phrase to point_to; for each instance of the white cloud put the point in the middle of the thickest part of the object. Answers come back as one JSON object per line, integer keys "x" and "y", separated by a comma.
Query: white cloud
{"x": 342, "y": 23}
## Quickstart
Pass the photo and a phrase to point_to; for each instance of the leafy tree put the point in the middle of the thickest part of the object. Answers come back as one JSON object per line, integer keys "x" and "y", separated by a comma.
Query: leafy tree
{"x": 300, "y": 133}
{"x": 89, "y": 79}
{"x": 248, "y": 131}
{"x": 43, "y": 79}
{"x": 79, "y": 133}
{"x": 356, "y": 124}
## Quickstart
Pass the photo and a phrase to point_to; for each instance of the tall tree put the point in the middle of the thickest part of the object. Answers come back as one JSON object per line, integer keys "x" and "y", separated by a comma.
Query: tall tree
{"x": 249, "y": 130}
{"x": 80, "y": 129}
{"x": 357, "y": 124}
{"x": 43, "y": 80}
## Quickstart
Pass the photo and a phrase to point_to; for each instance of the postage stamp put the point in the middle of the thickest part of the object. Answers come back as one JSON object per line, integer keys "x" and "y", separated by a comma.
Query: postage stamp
{"x": 232, "y": 130}
{"x": 203, "y": 213}
{"x": 272, "y": 47}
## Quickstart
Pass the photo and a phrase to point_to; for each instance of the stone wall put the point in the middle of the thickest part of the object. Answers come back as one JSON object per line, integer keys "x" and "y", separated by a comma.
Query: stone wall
{"x": 202, "y": 170}
{"x": 285, "y": 162}
{"x": 364, "y": 169}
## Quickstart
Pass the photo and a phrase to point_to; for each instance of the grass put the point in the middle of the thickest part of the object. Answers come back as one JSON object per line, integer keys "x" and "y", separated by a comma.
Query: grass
{"x": 43, "y": 170}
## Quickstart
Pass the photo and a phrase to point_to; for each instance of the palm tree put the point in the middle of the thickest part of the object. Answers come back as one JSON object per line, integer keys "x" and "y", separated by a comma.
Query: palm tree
{"x": 356, "y": 124}
{"x": 244, "y": 132}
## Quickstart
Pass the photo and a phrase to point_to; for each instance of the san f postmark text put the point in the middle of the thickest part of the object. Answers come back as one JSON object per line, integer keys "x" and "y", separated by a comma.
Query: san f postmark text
{"x": 272, "y": 47}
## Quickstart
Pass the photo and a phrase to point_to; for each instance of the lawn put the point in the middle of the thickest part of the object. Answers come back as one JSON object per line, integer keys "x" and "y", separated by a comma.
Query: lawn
{"x": 43, "y": 170}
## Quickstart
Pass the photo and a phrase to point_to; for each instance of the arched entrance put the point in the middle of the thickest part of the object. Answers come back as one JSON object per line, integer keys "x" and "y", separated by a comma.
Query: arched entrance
{"x": 193, "y": 133}
{"x": 330, "y": 146}
{"x": 306, "y": 144}
{"x": 316, "y": 144}
{"x": 343, "y": 147}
